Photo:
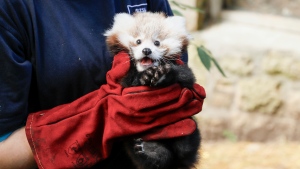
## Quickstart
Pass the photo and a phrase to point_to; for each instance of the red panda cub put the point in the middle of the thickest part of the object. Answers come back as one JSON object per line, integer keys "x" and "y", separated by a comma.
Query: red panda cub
{"x": 155, "y": 43}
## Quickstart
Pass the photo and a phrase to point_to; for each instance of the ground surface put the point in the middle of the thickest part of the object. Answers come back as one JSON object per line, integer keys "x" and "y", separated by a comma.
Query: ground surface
{"x": 248, "y": 155}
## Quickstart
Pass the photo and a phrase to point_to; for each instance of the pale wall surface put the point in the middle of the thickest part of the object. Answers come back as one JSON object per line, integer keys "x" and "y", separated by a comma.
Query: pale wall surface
{"x": 260, "y": 98}
{"x": 191, "y": 16}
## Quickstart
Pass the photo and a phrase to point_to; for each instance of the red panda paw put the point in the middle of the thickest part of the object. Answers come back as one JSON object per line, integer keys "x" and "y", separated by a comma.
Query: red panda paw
{"x": 154, "y": 76}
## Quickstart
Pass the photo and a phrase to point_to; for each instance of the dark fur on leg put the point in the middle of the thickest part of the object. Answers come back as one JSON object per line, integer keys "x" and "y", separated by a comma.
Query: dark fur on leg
{"x": 117, "y": 159}
{"x": 186, "y": 150}
{"x": 176, "y": 153}
{"x": 150, "y": 154}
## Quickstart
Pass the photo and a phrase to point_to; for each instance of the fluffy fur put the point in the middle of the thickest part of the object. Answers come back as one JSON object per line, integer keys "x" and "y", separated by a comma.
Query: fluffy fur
{"x": 154, "y": 42}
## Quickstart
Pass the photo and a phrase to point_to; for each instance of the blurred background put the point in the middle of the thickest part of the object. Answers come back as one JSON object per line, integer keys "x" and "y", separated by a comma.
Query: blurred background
{"x": 251, "y": 117}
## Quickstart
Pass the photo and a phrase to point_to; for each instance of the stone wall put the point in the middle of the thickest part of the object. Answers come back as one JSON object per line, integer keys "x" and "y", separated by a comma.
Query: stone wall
{"x": 289, "y": 8}
{"x": 259, "y": 100}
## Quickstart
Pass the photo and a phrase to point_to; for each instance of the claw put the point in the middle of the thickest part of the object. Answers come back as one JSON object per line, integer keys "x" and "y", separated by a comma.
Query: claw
{"x": 150, "y": 72}
{"x": 156, "y": 75}
{"x": 161, "y": 70}
{"x": 142, "y": 82}
{"x": 139, "y": 146}
{"x": 139, "y": 140}
{"x": 168, "y": 67}
{"x": 152, "y": 83}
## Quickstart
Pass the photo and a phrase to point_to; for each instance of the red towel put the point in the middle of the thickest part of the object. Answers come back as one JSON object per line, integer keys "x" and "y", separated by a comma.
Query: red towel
{"x": 81, "y": 133}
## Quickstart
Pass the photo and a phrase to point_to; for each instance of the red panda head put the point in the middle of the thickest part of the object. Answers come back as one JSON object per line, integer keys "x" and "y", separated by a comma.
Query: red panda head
{"x": 148, "y": 37}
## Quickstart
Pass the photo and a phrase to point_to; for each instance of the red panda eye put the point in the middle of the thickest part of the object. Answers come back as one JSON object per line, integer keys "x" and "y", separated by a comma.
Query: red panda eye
{"x": 138, "y": 41}
{"x": 156, "y": 43}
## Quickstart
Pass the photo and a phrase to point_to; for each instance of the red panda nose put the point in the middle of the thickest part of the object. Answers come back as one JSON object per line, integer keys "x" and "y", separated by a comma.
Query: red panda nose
{"x": 147, "y": 51}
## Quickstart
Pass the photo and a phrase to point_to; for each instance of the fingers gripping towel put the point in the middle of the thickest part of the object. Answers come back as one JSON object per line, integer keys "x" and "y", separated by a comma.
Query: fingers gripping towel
{"x": 81, "y": 133}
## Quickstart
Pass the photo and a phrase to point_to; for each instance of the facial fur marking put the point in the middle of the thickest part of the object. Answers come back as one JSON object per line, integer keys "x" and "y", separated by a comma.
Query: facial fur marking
{"x": 163, "y": 36}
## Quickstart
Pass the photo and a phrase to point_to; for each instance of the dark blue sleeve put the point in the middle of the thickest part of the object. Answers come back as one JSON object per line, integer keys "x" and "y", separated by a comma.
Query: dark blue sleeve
{"x": 15, "y": 73}
{"x": 164, "y": 6}
{"x": 159, "y": 6}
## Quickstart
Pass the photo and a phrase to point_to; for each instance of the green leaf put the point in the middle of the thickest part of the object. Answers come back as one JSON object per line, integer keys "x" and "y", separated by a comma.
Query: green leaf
{"x": 218, "y": 66}
{"x": 184, "y": 7}
{"x": 177, "y": 4}
{"x": 230, "y": 135}
{"x": 191, "y": 7}
{"x": 204, "y": 57}
{"x": 207, "y": 52}
{"x": 176, "y": 12}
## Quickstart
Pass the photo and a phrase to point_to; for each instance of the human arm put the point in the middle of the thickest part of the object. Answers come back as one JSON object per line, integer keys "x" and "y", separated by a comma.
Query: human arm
{"x": 15, "y": 152}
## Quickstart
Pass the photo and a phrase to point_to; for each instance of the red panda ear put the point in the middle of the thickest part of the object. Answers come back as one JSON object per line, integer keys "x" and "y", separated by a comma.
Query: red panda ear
{"x": 115, "y": 45}
{"x": 178, "y": 27}
{"x": 177, "y": 23}
{"x": 123, "y": 22}
{"x": 117, "y": 38}
{"x": 185, "y": 43}
{"x": 112, "y": 44}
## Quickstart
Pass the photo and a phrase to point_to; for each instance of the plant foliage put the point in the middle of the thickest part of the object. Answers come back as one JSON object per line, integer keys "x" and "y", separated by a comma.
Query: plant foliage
{"x": 204, "y": 54}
